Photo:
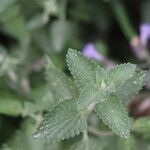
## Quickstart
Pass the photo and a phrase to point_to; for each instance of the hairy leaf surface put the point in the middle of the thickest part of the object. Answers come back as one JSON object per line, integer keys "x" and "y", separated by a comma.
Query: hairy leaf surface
{"x": 81, "y": 68}
{"x": 63, "y": 122}
{"x": 111, "y": 111}
{"x": 58, "y": 83}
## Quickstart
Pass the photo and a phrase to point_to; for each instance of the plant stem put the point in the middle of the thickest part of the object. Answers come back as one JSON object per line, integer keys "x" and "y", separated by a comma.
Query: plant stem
{"x": 63, "y": 9}
{"x": 99, "y": 133}
{"x": 85, "y": 139}
{"x": 122, "y": 17}
{"x": 85, "y": 135}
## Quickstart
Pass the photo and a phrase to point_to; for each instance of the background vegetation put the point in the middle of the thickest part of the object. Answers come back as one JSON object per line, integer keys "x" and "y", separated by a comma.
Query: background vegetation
{"x": 29, "y": 30}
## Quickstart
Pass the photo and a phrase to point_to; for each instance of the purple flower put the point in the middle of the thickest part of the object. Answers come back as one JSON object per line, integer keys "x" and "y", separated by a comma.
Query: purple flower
{"x": 90, "y": 51}
{"x": 139, "y": 44}
{"x": 138, "y": 49}
{"x": 144, "y": 34}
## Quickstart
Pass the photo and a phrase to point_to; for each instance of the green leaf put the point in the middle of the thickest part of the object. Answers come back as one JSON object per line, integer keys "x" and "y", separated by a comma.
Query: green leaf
{"x": 63, "y": 122}
{"x": 90, "y": 144}
{"x": 42, "y": 99}
{"x": 105, "y": 89}
{"x": 59, "y": 33}
{"x": 132, "y": 86}
{"x": 142, "y": 126}
{"x": 120, "y": 73}
{"x": 93, "y": 93}
{"x": 127, "y": 144}
{"x": 10, "y": 106}
{"x": 81, "y": 68}
{"x": 5, "y": 4}
{"x": 58, "y": 83}
{"x": 111, "y": 111}
{"x": 23, "y": 140}
{"x": 13, "y": 23}
{"x": 92, "y": 96}
{"x": 7, "y": 64}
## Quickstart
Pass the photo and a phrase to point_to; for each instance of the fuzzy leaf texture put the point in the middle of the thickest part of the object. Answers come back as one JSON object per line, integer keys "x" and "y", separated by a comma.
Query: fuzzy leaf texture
{"x": 111, "y": 111}
{"x": 63, "y": 122}
{"x": 91, "y": 78}
{"x": 131, "y": 87}
{"x": 58, "y": 83}
{"x": 81, "y": 68}
{"x": 103, "y": 89}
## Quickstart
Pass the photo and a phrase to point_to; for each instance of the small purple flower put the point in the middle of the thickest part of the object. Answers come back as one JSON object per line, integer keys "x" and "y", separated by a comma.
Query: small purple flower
{"x": 144, "y": 33}
{"x": 90, "y": 51}
{"x": 138, "y": 49}
{"x": 139, "y": 44}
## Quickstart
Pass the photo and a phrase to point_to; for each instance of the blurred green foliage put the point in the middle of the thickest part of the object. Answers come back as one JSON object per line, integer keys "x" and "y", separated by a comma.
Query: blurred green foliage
{"x": 29, "y": 30}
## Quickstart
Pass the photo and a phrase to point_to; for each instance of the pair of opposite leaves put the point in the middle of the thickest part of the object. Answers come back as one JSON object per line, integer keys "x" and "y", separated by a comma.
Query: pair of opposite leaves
{"x": 99, "y": 90}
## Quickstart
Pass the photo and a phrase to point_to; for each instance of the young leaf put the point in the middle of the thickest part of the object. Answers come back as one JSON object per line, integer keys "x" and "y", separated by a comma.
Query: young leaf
{"x": 132, "y": 86}
{"x": 94, "y": 83}
{"x": 120, "y": 73}
{"x": 111, "y": 111}
{"x": 81, "y": 68}
{"x": 105, "y": 88}
{"x": 58, "y": 83}
{"x": 92, "y": 95}
{"x": 63, "y": 122}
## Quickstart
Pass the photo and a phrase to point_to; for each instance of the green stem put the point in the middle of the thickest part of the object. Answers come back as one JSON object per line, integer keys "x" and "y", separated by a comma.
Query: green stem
{"x": 85, "y": 135}
{"x": 63, "y": 9}
{"x": 85, "y": 139}
{"x": 122, "y": 17}
{"x": 99, "y": 133}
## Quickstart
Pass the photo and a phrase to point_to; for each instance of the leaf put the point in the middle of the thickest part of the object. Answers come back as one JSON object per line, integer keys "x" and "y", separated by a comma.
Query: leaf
{"x": 23, "y": 140}
{"x": 142, "y": 126}
{"x": 58, "y": 83}
{"x": 120, "y": 73}
{"x": 90, "y": 96}
{"x": 13, "y": 23}
{"x": 93, "y": 93}
{"x": 111, "y": 111}
{"x": 63, "y": 122}
{"x": 81, "y": 68}
{"x": 42, "y": 99}
{"x": 127, "y": 144}
{"x": 59, "y": 33}
{"x": 10, "y": 106}
{"x": 104, "y": 89}
{"x": 5, "y": 4}
{"x": 90, "y": 144}
{"x": 7, "y": 64}
{"x": 132, "y": 86}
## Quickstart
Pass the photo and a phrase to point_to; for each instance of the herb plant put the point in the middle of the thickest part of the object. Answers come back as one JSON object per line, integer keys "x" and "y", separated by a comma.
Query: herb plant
{"x": 94, "y": 89}
{"x": 52, "y": 98}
